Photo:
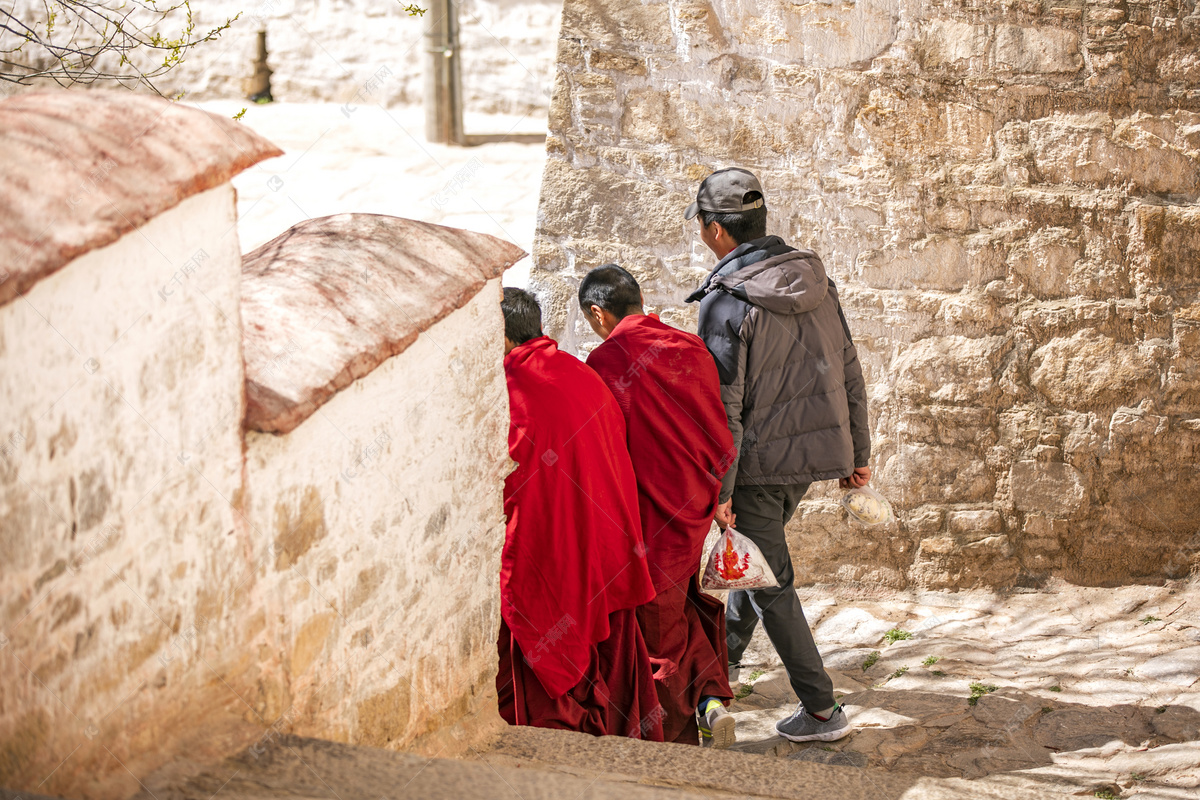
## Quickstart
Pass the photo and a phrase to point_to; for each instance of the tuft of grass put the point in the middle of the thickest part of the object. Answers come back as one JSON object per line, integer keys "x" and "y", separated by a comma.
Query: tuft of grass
{"x": 828, "y": 749}
{"x": 1160, "y": 710}
{"x": 1146, "y": 620}
{"x": 898, "y": 673}
{"x": 1137, "y": 776}
{"x": 744, "y": 691}
{"x": 870, "y": 660}
{"x": 930, "y": 661}
{"x": 1056, "y": 688}
{"x": 238, "y": 116}
{"x": 756, "y": 674}
{"x": 1047, "y": 709}
{"x": 937, "y": 672}
{"x": 1106, "y": 794}
{"x": 978, "y": 690}
{"x": 896, "y": 635}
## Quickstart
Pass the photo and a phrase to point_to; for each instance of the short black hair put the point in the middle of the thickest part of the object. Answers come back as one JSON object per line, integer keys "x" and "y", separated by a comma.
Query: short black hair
{"x": 742, "y": 226}
{"x": 611, "y": 288}
{"x": 522, "y": 315}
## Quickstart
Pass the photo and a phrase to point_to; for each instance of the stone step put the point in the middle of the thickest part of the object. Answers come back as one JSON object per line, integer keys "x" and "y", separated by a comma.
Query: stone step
{"x": 620, "y": 762}
{"x": 292, "y": 767}
{"x": 532, "y": 764}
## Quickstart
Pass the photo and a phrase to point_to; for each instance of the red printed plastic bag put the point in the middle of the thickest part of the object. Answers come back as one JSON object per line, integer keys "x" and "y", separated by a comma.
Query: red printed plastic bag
{"x": 868, "y": 506}
{"x": 735, "y": 562}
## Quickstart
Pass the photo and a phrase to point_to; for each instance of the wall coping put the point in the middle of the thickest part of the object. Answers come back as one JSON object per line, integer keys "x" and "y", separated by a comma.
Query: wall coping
{"x": 332, "y": 298}
{"x": 80, "y": 169}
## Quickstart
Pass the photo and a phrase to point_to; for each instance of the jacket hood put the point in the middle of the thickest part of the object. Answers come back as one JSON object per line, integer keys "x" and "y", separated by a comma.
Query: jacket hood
{"x": 792, "y": 283}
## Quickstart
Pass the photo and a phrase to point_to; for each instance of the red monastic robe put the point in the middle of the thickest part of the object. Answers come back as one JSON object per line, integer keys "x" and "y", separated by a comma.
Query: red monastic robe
{"x": 573, "y": 569}
{"x": 666, "y": 385}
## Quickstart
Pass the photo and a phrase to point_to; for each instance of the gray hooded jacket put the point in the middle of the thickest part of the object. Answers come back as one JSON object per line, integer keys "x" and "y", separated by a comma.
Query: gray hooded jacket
{"x": 790, "y": 379}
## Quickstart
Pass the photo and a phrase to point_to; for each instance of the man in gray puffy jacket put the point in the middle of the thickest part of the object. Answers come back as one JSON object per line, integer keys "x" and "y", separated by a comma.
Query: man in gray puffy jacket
{"x": 796, "y": 402}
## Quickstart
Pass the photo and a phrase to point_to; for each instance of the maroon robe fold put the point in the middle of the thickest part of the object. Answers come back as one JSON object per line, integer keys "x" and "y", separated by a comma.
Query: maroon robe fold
{"x": 573, "y": 568}
{"x": 666, "y": 384}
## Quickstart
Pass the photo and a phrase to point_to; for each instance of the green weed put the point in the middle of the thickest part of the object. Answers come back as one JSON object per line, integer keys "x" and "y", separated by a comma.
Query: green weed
{"x": 930, "y": 661}
{"x": 978, "y": 690}
{"x": 870, "y": 660}
{"x": 896, "y": 635}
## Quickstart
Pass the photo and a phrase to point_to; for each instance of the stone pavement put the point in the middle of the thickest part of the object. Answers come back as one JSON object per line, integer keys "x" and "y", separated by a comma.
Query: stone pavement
{"x": 369, "y": 159}
{"x": 1088, "y": 691}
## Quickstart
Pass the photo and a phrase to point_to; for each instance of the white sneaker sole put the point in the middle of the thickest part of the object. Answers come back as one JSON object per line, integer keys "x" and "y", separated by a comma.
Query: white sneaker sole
{"x": 724, "y": 732}
{"x": 827, "y": 736}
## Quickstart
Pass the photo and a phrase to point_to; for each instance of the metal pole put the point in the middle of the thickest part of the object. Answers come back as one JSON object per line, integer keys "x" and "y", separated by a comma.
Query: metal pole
{"x": 443, "y": 76}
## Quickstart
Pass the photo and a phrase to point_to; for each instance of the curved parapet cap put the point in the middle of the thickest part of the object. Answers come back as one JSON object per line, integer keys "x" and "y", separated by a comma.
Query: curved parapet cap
{"x": 79, "y": 169}
{"x": 331, "y": 299}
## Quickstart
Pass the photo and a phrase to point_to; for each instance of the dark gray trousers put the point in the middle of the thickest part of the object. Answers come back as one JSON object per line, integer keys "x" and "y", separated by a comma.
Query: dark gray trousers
{"x": 762, "y": 512}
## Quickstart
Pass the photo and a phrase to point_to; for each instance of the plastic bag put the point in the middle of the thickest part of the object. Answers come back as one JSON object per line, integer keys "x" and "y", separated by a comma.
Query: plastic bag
{"x": 868, "y": 506}
{"x": 735, "y": 562}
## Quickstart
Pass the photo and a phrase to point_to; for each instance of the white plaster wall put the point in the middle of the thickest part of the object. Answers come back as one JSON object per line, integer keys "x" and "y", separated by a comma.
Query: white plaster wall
{"x": 366, "y": 51}
{"x": 381, "y": 520}
{"x": 121, "y": 408}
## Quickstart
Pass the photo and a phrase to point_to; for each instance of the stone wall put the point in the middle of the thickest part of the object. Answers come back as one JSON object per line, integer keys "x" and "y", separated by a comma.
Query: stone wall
{"x": 177, "y": 583}
{"x": 366, "y": 51}
{"x": 1006, "y": 193}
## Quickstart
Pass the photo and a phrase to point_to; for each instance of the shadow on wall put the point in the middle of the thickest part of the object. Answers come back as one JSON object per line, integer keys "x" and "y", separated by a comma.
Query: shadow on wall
{"x": 186, "y": 575}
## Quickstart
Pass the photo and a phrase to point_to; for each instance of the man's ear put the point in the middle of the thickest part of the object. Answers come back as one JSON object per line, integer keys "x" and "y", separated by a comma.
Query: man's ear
{"x": 597, "y": 313}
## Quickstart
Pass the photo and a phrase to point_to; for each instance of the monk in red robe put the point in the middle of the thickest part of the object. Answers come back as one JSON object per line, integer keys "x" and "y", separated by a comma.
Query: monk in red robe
{"x": 667, "y": 386}
{"x": 573, "y": 569}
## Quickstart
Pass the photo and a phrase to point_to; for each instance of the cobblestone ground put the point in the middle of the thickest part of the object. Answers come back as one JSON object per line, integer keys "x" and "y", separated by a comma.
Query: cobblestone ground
{"x": 368, "y": 159}
{"x": 1079, "y": 691}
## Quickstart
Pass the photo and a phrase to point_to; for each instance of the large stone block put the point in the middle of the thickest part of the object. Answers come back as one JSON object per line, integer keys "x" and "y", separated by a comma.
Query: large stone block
{"x": 937, "y": 262}
{"x": 617, "y": 24}
{"x": 1044, "y": 262}
{"x": 919, "y": 473}
{"x": 951, "y": 369}
{"x": 575, "y": 202}
{"x": 1091, "y": 369}
{"x": 1050, "y": 488}
{"x": 828, "y": 35}
{"x": 1035, "y": 49}
{"x": 1095, "y": 149}
{"x": 1169, "y": 240}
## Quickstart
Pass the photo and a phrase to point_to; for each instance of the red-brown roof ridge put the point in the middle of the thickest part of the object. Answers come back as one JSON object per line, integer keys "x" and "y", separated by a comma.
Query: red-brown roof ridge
{"x": 331, "y": 299}
{"x": 79, "y": 169}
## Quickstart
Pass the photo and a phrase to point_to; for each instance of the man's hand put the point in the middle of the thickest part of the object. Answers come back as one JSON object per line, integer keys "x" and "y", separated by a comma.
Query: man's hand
{"x": 725, "y": 516}
{"x": 856, "y": 479}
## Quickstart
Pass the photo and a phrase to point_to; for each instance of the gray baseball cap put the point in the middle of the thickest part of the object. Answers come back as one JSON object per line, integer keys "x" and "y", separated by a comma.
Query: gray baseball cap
{"x": 724, "y": 192}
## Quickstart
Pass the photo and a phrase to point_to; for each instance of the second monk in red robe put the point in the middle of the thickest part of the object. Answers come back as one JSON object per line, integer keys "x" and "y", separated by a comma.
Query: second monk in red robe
{"x": 667, "y": 386}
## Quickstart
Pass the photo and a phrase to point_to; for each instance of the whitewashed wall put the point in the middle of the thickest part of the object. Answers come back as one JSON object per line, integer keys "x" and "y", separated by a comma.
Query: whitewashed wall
{"x": 122, "y": 406}
{"x": 382, "y": 517}
{"x": 370, "y": 51}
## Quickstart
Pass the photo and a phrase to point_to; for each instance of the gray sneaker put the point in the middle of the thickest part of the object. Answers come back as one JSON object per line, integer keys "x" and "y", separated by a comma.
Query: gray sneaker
{"x": 804, "y": 727}
{"x": 718, "y": 728}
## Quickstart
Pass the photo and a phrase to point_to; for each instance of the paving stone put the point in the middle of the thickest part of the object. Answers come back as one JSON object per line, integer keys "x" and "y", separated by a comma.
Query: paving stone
{"x": 1181, "y": 667}
{"x": 819, "y": 755}
{"x": 852, "y": 626}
